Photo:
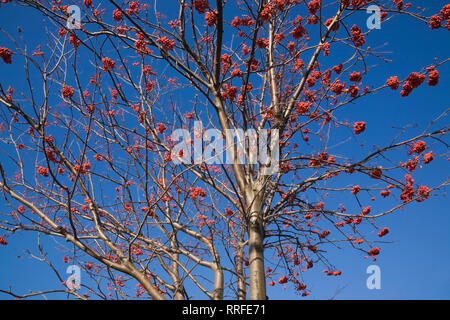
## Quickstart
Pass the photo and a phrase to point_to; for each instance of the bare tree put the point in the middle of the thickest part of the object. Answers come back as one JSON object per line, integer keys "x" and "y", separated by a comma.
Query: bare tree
{"x": 88, "y": 156}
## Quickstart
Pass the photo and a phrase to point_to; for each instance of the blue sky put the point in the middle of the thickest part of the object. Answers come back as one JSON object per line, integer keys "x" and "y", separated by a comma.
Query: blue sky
{"x": 416, "y": 265}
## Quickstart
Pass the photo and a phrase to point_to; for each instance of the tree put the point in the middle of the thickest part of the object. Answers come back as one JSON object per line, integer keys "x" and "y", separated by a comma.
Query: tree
{"x": 89, "y": 155}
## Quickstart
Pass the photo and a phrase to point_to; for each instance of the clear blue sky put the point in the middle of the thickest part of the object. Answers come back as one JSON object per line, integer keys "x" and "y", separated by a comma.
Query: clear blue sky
{"x": 415, "y": 266}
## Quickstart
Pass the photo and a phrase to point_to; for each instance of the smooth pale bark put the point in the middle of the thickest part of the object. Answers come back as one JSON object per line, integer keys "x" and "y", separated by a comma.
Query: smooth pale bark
{"x": 256, "y": 252}
{"x": 218, "y": 284}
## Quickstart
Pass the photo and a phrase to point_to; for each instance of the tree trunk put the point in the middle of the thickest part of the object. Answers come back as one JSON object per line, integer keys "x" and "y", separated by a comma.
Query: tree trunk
{"x": 256, "y": 252}
{"x": 218, "y": 284}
